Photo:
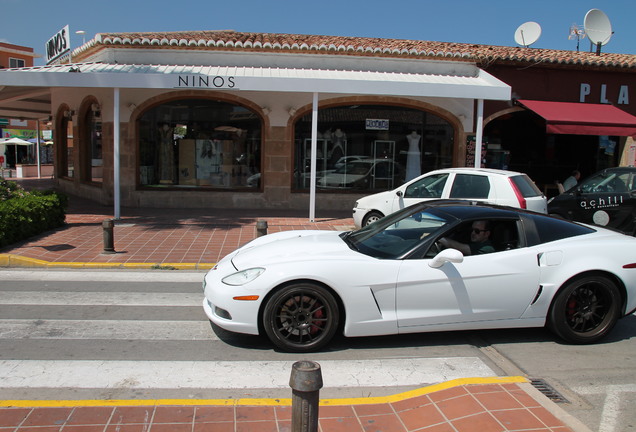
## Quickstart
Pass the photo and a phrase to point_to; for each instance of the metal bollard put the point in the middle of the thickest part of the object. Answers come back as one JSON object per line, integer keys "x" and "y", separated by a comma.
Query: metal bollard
{"x": 306, "y": 382}
{"x": 109, "y": 242}
{"x": 261, "y": 228}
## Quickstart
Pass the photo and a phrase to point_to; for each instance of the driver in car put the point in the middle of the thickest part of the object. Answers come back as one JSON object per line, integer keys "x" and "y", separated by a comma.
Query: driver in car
{"x": 479, "y": 240}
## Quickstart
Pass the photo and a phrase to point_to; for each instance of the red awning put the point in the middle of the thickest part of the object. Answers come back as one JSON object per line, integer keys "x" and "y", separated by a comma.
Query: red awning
{"x": 583, "y": 118}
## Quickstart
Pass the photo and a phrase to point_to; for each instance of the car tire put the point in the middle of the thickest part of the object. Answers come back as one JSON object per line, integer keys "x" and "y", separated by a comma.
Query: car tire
{"x": 371, "y": 217}
{"x": 302, "y": 317}
{"x": 585, "y": 309}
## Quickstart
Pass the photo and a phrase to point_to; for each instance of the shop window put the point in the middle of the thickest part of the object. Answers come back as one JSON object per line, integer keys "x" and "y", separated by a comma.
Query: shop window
{"x": 64, "y": 135}
{"x": 92, "y": 146}
{"x": 199, "y": 143}
{"x": 370, "y": 147}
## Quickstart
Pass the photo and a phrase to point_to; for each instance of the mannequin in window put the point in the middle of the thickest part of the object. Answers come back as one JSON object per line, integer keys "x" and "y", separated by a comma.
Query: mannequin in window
{"x": 166, "y": 154}
{"x": 339, "y": 139}
{"x": 326, "y": 135}
{"x": 413, "y": 165}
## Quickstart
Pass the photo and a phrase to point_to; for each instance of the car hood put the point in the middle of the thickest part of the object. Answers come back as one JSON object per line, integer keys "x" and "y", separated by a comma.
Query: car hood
{"x": 291, "y": 246}
{"x": 383, "y": 197}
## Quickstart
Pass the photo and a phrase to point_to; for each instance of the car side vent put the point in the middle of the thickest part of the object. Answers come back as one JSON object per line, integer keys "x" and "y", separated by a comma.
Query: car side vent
{"x": 539, "y": 291}
{"x": 548, "y": 391}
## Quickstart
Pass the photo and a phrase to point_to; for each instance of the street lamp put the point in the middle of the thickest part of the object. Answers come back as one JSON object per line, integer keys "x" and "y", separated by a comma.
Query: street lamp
{"x": 81, "y": 32}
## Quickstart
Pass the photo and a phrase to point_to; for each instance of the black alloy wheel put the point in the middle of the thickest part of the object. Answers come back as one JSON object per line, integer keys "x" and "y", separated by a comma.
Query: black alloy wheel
{"x": 302, "y": 317}
{"x": 585, "y": 309}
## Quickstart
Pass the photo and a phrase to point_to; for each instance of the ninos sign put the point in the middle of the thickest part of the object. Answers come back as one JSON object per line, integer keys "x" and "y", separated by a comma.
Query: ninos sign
{"x": 204, "y": 81}
{"x": 58, "y": 45}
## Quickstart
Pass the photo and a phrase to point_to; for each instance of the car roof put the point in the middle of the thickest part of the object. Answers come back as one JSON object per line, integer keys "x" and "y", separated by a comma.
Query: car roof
{"x": 371, "y": 161}
{"x": 465, "y": 170}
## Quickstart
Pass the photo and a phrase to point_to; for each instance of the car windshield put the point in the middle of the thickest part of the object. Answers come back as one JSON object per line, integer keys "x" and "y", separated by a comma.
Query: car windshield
{"x": 606, "y": 181}
{"x": 395, "y": 235}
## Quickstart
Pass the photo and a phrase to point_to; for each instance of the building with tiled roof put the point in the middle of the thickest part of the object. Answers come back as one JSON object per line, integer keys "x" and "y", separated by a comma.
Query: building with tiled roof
{"x": 225, "y": 118}
{"x": 354, "y": 46}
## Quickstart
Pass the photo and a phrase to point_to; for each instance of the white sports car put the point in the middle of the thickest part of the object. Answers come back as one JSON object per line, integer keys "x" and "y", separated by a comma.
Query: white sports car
{"x": 394, "y": 276}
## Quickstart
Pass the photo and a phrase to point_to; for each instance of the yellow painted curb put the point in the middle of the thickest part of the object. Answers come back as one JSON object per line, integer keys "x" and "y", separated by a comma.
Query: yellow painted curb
{"x": 12, "y": 260}
{"x": 261, "y": 402}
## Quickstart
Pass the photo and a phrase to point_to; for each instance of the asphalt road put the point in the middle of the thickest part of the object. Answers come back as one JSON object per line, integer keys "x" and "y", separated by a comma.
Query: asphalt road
{"x": 130, "y": 334}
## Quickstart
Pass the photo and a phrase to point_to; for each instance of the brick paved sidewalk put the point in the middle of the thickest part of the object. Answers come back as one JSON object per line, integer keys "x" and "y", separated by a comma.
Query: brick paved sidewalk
{"x": 504, "y": 405}
{"x": 180, "y": 238}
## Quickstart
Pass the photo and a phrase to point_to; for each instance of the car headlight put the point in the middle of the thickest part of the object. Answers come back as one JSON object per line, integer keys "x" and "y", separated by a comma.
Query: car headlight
{"x": 243, "y": 277}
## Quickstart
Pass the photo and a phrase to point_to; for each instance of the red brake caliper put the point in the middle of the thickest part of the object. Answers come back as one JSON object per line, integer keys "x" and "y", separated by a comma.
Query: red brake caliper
{"x": 316, "y": 325}
{"x": 571, "y": 308}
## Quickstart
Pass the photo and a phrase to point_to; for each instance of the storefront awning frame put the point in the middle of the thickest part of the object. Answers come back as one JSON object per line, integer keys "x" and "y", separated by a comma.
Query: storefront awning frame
{"x": 479, "y": 86}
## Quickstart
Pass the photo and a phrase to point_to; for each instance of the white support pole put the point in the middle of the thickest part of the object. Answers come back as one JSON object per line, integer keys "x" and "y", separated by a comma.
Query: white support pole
{"x": 116, "y": 191}
{"x": 37, "y": 148}
{"x": 479, "y": 132}
{"x": 314, "y": 140}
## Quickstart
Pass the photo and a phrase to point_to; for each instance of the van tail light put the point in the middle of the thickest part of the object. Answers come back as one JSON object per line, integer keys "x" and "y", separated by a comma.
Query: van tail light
{"x": 518, "y": 194}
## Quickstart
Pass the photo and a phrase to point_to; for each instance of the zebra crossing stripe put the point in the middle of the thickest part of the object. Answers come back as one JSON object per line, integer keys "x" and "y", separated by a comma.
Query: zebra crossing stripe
{"x": 233, "y": 374}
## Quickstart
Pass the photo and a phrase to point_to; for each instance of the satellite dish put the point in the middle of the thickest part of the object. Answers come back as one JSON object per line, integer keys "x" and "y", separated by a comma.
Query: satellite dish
{"x": 597, "y": 28}
{"x": 527, "y": 33}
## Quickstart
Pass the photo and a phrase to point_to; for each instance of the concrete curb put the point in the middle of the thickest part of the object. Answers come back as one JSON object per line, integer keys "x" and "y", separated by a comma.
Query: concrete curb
{"x": 12, "y": 260}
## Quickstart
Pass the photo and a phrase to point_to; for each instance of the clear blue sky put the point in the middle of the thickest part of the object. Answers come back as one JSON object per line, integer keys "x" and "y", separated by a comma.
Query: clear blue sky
{"x": 32, "y": 22}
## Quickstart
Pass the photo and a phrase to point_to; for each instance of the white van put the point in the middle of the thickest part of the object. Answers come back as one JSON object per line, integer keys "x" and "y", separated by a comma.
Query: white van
{"x": 492, "y": 186}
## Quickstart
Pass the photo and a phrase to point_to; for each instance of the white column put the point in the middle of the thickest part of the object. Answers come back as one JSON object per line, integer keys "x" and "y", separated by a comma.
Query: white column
{"x": 312, "y": 178}
{"x": 116, "y": 192}
{"x": 479, "y": 132}
{"x": 37, "y": 147}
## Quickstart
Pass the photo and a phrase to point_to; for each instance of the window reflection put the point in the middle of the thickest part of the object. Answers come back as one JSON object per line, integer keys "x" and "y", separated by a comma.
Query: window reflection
{"x": 200, "y": 143}
{"x": 370, "y": 147}
{"x": 92, "y": 145}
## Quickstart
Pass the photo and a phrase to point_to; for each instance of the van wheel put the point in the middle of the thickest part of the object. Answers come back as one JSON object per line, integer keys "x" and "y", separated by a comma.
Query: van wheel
{"x": 371, "y": 217}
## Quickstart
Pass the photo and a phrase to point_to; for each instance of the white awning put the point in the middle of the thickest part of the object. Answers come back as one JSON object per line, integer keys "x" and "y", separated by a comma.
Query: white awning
{"x": 480, "y": 85}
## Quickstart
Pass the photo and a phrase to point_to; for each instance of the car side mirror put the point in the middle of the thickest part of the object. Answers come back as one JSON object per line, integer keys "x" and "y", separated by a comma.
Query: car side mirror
{"x": 399, "y": 193}
{"x": 447, "y": 255}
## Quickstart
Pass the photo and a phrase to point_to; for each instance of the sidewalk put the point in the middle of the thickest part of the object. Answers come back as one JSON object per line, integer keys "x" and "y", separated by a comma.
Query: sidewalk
{"x": 196, "y": 239}
{"x": 152, "y": 238}
{"x": 487, "y": 405}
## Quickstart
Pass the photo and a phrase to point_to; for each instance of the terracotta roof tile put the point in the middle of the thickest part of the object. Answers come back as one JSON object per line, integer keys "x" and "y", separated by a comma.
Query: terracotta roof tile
{"x": 481, "y": 54}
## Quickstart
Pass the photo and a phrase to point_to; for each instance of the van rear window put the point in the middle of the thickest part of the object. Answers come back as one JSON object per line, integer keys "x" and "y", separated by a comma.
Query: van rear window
{"x": 526, "y": 186}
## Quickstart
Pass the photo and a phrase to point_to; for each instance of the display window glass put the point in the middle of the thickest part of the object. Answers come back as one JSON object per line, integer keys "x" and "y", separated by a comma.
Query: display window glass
{"x": 370, "y": 147}
{"x": 93, "y": 159}
{"x": 200, "y": 143}
{"x": 64, "y": 136}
